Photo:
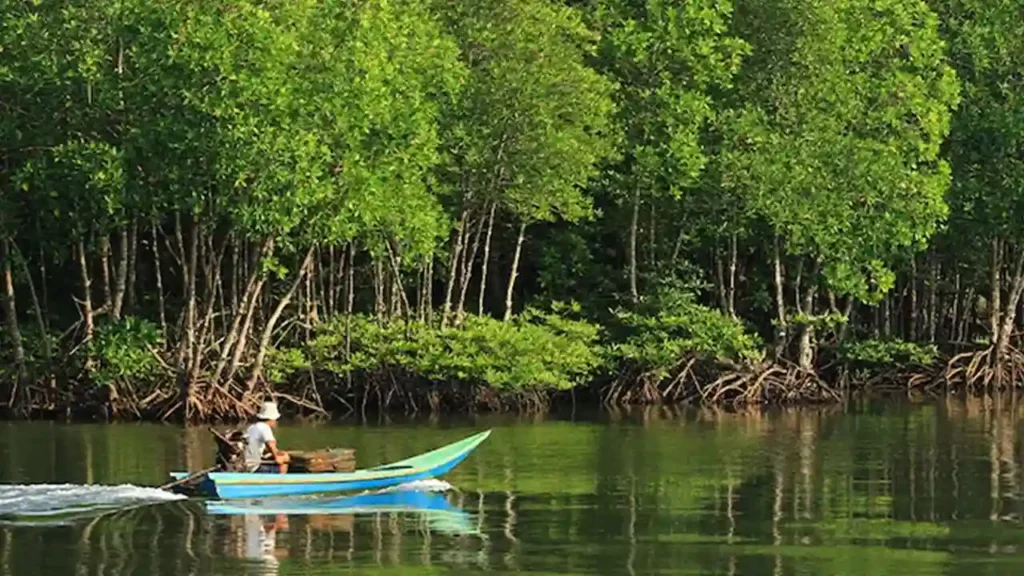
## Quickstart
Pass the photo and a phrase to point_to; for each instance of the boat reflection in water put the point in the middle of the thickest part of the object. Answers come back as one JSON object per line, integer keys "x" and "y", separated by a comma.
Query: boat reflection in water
{"x": 261, "y": 539}
{"x": 264, "y": 520}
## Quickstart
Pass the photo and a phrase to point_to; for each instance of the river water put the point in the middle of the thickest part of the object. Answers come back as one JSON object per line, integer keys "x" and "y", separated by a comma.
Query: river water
{"x": 876, "y": 488}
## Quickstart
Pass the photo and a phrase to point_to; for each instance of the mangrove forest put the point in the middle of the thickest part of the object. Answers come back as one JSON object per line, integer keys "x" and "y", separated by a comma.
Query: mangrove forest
{"x": 422, "y": 205}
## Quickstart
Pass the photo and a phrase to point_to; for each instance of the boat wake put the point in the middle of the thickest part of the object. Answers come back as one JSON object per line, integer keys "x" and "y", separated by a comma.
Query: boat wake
{"x": 54, "y": 501}
{"x": 429, "y": 485}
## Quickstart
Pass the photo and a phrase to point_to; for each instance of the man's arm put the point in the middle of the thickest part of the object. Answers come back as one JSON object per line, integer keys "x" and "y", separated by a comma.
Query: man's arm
{"x": 280, "y": 456}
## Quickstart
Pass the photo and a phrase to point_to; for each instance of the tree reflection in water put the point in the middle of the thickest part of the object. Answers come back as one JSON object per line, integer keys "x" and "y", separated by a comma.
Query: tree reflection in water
{"x": 875, "y": 488}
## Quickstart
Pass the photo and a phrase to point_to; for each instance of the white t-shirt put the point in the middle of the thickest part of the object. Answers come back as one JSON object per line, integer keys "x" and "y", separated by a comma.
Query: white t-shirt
{"x": 256, "y": 438}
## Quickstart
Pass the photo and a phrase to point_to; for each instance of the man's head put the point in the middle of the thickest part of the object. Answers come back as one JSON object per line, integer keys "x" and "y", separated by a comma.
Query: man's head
{"x": 268, "y": 413}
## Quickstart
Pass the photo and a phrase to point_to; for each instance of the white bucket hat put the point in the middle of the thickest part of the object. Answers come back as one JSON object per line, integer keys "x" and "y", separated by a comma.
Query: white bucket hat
{"x": 268, "y": 411}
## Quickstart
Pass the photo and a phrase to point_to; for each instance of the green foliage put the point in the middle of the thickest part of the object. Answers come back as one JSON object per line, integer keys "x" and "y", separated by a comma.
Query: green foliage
{"x": 837, "y": 135}
{"x": 674, "y": 327}
{"x": 78, "y": 188}
{"x": 827, "y": 321}
{"x": 125, "y": 351}
{"x": 667, "y": 58}
{"x": 283, "y": 363}
{"x": 888, "y": 353}
{"x": 987, "y": 140}
{"x": 533, "y": 123}
{"x": 537, "y": 350}
{"x": 679, "y": 140}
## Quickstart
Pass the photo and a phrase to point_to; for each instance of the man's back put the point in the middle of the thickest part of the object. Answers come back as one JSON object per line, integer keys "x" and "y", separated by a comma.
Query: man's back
{"x": 256, "y": 437}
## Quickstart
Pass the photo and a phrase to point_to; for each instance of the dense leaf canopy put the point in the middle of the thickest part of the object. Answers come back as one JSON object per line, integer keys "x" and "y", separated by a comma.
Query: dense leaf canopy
{"x": 213, "y": 186}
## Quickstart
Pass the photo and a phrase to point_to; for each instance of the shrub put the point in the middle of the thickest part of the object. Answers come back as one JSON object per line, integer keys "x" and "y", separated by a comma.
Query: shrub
{"x": 123, "y": 351}
{"x": 538, "y": 350}
{"x": 887, "y": 354}
{"x": 673, "y": 327}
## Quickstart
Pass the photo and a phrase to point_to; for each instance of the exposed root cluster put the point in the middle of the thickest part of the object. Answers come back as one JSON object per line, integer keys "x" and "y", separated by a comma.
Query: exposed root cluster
{"x": 982, "y": 370}
{"x": 709, "y": 383}
{"x": 691, "y": 381}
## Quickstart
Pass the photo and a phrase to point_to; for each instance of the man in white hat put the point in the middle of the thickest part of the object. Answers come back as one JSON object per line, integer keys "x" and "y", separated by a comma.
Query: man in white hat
{"x": 260, "y": 440}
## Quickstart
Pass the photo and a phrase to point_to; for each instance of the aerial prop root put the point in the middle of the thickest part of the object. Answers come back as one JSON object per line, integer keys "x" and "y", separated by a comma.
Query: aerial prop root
{"x": 984, "y": 369}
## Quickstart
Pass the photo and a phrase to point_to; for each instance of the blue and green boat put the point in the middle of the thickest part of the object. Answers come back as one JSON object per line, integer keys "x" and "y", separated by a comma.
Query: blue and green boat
{"x": 433, "y": 464}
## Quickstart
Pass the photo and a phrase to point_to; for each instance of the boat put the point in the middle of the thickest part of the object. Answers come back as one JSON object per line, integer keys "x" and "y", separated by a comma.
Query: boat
{"x": 228, "y": 485}
{"x": 433, "y": 507}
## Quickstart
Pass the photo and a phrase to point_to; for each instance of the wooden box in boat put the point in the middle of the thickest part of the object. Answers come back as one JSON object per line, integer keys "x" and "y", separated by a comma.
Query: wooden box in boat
{"x": 329, "y": 460}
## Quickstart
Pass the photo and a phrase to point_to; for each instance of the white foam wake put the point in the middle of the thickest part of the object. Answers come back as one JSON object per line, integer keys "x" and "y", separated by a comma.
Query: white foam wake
{"x": 429, "y": 485}
{"x": 57, "y": 499}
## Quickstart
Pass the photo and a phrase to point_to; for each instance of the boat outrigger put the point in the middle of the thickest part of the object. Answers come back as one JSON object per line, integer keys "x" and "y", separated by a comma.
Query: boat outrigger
{"x": 228, "y": 485}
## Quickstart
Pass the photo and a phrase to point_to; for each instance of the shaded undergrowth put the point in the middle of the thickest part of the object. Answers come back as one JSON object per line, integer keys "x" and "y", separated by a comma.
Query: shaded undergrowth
{"x": 672, "y": 350}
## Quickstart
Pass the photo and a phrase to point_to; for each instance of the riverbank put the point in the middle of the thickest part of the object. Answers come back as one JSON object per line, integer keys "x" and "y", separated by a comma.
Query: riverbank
{"x": 534, "y": 362}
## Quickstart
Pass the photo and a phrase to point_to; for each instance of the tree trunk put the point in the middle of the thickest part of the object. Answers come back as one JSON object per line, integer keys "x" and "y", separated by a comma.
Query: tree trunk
{"x": 189, "y": 276}
{"x": 430, "y": 288}
{"x": 486, "y": 259}
{"x": 876, "y": 321}
{"x": 108, "y": 295}
{"x": 723, "y": 299}
{"x": 1009, "y": 313}
{"x": 399, "y": 303}
{"x": 731, "y": 300}
{"x": 634, "y": 223}
{"x": 44, "y": 288}
{"x": 349, "y": 304}
{"x": 652, "y": 251}
{"x": 310, "y": 311}
{"x": 933, "y": 308}
{"x": 159, "y": 282}
{"x": 807, "y": 337}
{"x": 222, "y": 292}
{"x": 331, "y": 303}
{"x": 968, "y": 314}
{"x": 268, "y": 330}
{"x": 421, "y": 292}
{"x": 887, "y": 316}
{"x": 236, "y": 273}
{"x": 350, "y": 279}
{"x": 37, "y": 309}
{"x": 995, "y": 280}
{"x": 467, "y": 271}
{"x": 848, "y": 314}
{"x": 249, "y": 299}
{"x": 378, "y": 290}
{"x": 121, "y": 276}
{"x": 243, "y": 337}
{"x": 955, "y": 312}
{"x": 514, "y": 272}
{"x": 452, "y": 269}
{"x": 678, "y": 246}
{"x": 133, "y": 260}
{"x": 781, "y": 335}
{"x": 913, "y": 298}
{"x": 396, "y": 269}
{"x": 11, "y": 315}
{"x": 87, "y": 318}
{"x": 206, "y": 327}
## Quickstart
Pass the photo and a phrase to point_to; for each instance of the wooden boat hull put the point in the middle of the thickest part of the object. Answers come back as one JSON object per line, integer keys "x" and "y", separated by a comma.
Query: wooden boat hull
{"x": 227, "y": 485}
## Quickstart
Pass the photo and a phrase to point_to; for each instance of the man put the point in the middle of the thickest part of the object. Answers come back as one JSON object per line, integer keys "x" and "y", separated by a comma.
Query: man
{"x": 260, "y": 440}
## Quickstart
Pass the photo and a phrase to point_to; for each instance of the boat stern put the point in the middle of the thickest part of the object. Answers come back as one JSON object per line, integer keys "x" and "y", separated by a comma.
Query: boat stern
{"x": 203, "y": 486}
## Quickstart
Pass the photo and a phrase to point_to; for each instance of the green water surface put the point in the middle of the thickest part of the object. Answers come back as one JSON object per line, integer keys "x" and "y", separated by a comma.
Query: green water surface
{"x": 878, "y": 488}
